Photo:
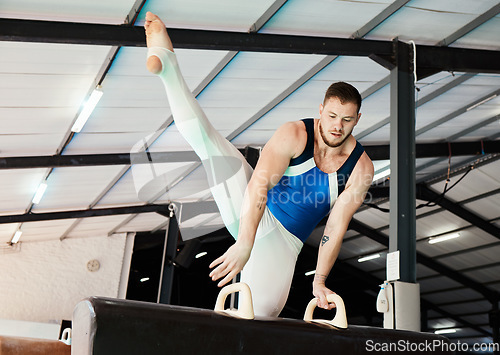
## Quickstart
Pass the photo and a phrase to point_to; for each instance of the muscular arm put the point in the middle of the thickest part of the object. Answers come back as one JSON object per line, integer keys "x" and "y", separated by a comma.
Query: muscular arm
{"x": 338, "y": 221}
{"x": 287, "y": 142}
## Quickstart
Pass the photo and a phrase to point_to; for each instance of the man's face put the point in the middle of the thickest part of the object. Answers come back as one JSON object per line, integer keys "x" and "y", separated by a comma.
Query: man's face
{"x": 337, "y": 121}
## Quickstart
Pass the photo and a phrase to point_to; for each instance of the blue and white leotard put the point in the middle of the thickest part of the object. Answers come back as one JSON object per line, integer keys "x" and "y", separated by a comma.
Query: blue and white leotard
{"x": 305, "y": 194}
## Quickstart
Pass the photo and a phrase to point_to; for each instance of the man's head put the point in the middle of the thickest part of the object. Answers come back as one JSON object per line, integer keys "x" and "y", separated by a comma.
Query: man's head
{"x": 339, "y": 113}
{"x": 345, "y": 93}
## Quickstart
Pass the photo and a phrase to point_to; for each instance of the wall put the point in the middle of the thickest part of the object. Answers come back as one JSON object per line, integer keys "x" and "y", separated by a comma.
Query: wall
{"x": 45, "y": 280}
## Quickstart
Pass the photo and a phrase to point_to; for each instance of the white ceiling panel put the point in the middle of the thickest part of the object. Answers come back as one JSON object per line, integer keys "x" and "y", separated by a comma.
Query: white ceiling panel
{"x": 249, "y": 82}
{"x": 462, "y": 123}
{"x": 30, "y": 144}
{"x": 436, "y": 283}
{"x": 489, "y": 274}
{"x": 96, "y": 226}
{"x": 45, "y": 230}
{"x": 433, "y": 82}
{"x": 373, "y": 217}
{"x": 380, "y": 136}
{"x": 477, "y": 319}
{"x": 477, "y": 182}
{"x": 472, "y": 307}
{"x": 215, "y": 222}
{"x": 357, "y": 247}
{"x": 452, "y": 296}
{"x": 45, "y": 95}
{"x": 134, "y": 102}
{"x": 34, "y": 121}
{"x": 438, "y": 223}
{"x": 18, "y": 188}
{"x": 440, "y": 166}
{"x": 75, "y": 187}
{"x": 91, "y": 11}
{"x": 57, "y": 59}
{"x": 491, "y": 170}
{"x": 7, "y": 231}
{"x": 492, "y": 129}
{"x": 144, "y": 222}
{"x": 216, "y": 14}
{"x": 344, "y": 17}
{"x": 460, "y": 96}
{"x": 170, "y": 140}
{"x": 429, "y": 21}
{"x": 477, "y": 258}
{"x": 368, "y": 266}
{"x": 424, "y": 271}
{"x": 361, "y": 71}
{"x": 488, "y": 208}
{"x": 469, "y": 238}
{"x": 350, "y": 234}
{"x": 151, "y": 179}
{"x": 192, "y": 186}
{"x": 123, "y": 193}
{"x": 483, "y": 37}
{"x": 103, "y": 143}
{"x": 305, "y": 101}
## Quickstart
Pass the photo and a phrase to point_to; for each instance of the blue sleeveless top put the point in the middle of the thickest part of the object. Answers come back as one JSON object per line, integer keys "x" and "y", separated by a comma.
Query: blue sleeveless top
{"x": 305, "y": 194}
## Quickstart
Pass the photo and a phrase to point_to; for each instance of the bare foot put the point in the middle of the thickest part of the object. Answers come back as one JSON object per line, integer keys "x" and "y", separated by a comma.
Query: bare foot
{"x": 156, "y": 36}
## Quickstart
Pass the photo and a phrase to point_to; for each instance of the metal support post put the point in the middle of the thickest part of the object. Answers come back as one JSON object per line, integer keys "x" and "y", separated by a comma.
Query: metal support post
{"x": 169, "y": 251}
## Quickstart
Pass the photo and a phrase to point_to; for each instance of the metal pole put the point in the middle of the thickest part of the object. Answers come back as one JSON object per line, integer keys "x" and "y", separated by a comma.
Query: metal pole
{"x": 402, "y": 232}
{"x": 169, "y": 250}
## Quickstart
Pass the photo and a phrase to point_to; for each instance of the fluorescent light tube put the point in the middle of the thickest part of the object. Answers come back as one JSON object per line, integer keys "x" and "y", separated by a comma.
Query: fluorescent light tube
{"x": 144, "y": 279}
{"x": 201, "y": 254}
{"x": 88, "y": 108}
{"x": 16, "y": 237}
{"x": 368, "y": 257}
{"x": 382, "y": 174}
{"x": 39, "y": 193}
{"x": 445, "y": 331}
{"x": 481, "y": 102}
{"x": 309, "y": 273}
{"x": 442, "y": 238}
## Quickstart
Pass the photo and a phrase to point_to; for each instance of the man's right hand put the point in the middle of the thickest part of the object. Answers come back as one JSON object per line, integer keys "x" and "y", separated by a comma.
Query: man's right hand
{"x": 320, "y": 291}
{"x": 230, "y": 263}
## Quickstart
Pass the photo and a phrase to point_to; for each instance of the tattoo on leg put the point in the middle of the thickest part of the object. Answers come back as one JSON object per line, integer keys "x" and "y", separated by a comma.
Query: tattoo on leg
{"x": 324, "y": 240}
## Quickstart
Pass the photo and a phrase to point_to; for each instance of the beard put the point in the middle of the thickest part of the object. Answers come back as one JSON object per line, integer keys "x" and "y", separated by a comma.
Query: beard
{"x": 331, "y": 144}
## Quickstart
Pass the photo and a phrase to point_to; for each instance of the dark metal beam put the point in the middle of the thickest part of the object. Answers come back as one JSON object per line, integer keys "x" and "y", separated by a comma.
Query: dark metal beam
{"x": 402, "y": 163}
{"x": 47, "y": 216}
{"x": 376, "y": 152}
{"x": 434, "y": 150}
{"x": 167, "y": 269}
{"x": 489, "y": 294}
{"x": 424, "y": 193}
{"x": 119, "y": 35}
{"x": 429, "y": 58}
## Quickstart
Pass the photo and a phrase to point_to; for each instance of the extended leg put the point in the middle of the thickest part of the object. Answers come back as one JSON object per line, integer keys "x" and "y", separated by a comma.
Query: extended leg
{"x": 269, "y": 271}
{"x": 227, "y": 170}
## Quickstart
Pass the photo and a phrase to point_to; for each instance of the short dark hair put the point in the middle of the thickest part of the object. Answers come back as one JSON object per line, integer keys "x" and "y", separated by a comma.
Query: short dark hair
{"x": 344, "y": 92}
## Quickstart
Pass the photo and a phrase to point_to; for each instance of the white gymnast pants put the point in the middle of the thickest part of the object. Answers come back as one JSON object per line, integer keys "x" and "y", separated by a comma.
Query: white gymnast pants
{"x": 269, "y": 271}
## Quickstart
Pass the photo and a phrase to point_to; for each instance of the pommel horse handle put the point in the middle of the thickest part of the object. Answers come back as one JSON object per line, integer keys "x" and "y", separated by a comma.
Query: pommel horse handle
{"x": 245, "y": 310}
{"x": 340, "y": 319}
